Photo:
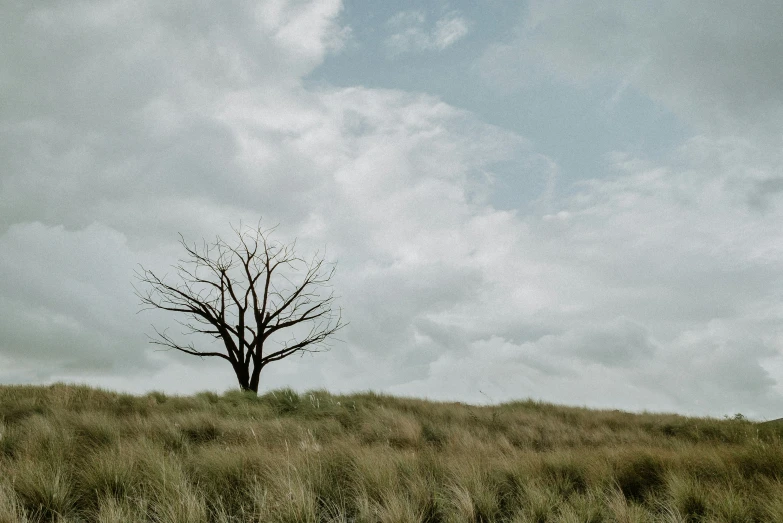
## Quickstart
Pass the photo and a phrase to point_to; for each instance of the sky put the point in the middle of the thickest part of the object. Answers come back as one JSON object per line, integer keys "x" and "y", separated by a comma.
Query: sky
{"x": 537, "y": 199}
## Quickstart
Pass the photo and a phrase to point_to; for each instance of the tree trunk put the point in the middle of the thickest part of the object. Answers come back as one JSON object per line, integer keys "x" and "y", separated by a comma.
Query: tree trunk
{"x": 255, "y": 378}
{"x": 242, "y": 377}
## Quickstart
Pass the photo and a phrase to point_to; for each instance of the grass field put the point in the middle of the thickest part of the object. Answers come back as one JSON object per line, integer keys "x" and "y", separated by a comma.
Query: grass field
{"x": 72, "y": 453}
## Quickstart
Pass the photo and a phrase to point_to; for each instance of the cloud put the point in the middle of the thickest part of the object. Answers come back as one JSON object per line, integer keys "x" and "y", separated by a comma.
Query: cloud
{"x": 448, "y": 30}
{"x": 195, "y": 143}
{"x": 654, "y": 287}
{"x": 62, "y": 299}
{"x": 412, "y": 34}
{"x": 713, "y": 64}
{"x": 126, "y": 95}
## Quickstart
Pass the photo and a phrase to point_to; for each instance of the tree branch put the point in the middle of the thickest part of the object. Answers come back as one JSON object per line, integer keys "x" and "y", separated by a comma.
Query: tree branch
{"x": 244, "y": 294}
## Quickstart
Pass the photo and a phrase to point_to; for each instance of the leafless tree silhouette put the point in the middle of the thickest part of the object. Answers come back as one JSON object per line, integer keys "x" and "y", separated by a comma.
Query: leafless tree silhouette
{"x": 246, "y": 294}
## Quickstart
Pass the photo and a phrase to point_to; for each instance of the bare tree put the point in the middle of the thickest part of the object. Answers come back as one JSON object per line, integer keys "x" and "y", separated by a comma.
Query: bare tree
{"x": 246, "y": 294}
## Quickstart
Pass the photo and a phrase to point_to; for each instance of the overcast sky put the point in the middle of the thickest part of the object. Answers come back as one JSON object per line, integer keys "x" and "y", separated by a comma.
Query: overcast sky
{"x": 525, "y": 199}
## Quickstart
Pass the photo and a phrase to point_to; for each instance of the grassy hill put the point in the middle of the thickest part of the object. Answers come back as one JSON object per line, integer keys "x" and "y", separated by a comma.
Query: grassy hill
{"x": 72, "y": 453}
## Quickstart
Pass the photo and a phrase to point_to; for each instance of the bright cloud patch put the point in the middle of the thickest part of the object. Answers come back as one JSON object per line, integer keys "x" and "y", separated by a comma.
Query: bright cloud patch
{"x": 412, "y": 33}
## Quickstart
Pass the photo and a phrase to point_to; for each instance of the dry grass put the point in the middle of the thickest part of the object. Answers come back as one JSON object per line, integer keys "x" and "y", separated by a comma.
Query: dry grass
{"x": 73, "y": 454}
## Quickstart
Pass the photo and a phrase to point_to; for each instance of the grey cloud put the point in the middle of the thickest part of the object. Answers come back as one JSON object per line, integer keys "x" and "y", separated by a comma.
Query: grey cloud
{"x": 714, "y": 64}
{"x": 621, "y": 342}
{"x": 388, "y": 302}
{"x": 763, "y": 192}
{"x": 659, "y": 268}
{"x": 63, "y": 301}
{"x": 707, "y": 370}
{"x": 185, "y": 154}
{"x": 110, "y": 58}
{"x": 720, "y": 363}
{"x": 126, "y": 94}
{"x": 597, "y": 302}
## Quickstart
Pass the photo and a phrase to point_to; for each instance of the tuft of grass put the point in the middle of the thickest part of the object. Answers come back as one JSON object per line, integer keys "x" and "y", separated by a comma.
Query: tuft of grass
{"x": 434, "y": 435}
{"x": 759, "y": 460}
{"x": 619, "y": 509}
{"x": 11, "y": 509}
{"x": 539, "y": 503}
{"x": 688, "y": 496}
{"x": 9, "y": 441}
{"x": 15, "y": 412}
{"x": 640, "y": 475}
{"x": 283, "y": 402}
{"x": 45, "y": 491}
{"x": 200, "y": 429}
{"x": 93, "y": 430}
{"x": 566, "y": 473}
{"x": 732, "y": 507}
{"x": 110, "y": 474}
{"x": 112, "y": 510}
